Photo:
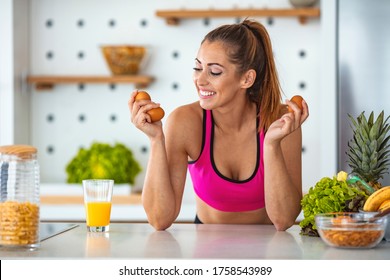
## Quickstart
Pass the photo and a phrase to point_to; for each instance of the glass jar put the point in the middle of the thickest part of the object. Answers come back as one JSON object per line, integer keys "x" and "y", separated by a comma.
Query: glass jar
{"x": 19, "y": 193}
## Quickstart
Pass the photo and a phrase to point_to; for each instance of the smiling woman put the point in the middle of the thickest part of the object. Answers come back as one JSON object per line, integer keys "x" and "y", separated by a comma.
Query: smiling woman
{"x": 229, "y": 139}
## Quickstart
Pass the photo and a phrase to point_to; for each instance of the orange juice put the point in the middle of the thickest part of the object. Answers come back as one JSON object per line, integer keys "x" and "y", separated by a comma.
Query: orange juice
{"x": 98, "y": 213}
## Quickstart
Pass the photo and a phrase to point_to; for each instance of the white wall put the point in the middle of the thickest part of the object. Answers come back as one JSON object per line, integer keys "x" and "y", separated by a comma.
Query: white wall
{"x": 14, "y": 57}
{"x": 65, "y": 29}
{"x": 327, "y": 95}
{"x": 22, "y": 97}
{"x": 6, "y": 73}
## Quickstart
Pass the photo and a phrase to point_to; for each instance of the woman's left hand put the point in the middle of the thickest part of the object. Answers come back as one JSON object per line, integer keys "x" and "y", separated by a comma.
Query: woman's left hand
{"x": 287, "y": 123}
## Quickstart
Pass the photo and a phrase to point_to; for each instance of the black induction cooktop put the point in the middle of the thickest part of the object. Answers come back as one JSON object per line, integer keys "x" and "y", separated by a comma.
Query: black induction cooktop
{"x": 48, "y": 230}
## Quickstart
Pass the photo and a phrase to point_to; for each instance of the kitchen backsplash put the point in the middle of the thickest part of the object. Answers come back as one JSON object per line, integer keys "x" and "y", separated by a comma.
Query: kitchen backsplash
{"x": 65, "y": 39}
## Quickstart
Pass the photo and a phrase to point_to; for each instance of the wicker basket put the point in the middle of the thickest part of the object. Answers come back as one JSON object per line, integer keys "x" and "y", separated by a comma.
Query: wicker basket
{"x": 124, "y": 59}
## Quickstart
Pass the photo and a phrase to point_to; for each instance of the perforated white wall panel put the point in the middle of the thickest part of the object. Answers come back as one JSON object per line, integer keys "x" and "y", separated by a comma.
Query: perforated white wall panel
{"x": 65, "y": 38}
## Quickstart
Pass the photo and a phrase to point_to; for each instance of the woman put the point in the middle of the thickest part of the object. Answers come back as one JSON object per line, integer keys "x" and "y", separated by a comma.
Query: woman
{"x": 239, "y": 143}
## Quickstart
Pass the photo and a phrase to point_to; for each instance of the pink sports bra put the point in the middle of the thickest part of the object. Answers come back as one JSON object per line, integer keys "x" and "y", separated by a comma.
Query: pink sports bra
{"x": 218, "y": 191}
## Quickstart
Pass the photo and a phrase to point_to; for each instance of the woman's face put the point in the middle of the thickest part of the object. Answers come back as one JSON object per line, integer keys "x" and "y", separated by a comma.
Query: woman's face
{"x": 215, "y": 78}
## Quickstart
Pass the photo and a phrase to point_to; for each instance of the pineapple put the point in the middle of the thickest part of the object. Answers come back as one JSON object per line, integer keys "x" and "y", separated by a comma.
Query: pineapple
{"x": 368, "y": 153}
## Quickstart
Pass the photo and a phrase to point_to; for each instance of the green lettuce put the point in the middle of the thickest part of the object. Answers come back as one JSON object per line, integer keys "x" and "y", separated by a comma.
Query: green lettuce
{"x": 329, "y": 195}
{"x": 102, "y": 161}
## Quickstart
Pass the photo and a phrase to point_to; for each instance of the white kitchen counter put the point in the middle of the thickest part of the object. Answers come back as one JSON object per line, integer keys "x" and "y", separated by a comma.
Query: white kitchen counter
{"x": 192, "y": 241}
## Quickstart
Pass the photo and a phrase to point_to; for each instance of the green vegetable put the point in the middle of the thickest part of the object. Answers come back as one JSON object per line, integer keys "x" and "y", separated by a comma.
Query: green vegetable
{"x": 102, "y": 161}
{"x": 329, "y": 195}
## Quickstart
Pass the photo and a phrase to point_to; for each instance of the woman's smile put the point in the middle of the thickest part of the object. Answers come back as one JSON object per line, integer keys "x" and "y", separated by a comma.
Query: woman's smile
{"x": 206, "y": 94}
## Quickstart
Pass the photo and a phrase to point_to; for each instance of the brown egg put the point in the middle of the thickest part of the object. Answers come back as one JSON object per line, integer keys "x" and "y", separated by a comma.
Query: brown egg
{"x": 155, "y": 114}
{"x": 297, "y": 99}
{"x": 142, "y": 95}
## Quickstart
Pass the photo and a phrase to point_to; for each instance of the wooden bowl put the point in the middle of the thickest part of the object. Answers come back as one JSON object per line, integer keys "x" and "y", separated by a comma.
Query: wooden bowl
{"x": 124, "y": 59}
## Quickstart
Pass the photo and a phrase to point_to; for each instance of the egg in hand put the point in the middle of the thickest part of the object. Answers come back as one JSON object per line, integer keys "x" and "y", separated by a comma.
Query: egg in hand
{"x": 297, "y": 99}
{"x": 155, "y": 114}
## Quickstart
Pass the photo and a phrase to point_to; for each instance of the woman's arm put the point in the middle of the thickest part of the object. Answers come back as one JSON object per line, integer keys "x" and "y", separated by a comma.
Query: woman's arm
{"x": 165, "y": 178}
{"x": 283, "y": 167}
{"x": 158, "y": 197}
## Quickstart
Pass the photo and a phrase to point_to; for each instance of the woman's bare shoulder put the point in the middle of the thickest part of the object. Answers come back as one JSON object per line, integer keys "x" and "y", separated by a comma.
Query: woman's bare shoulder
{"x": 184, "y": 127}
{"x": 186, "y": 115}
{"x": 191, "y": 108}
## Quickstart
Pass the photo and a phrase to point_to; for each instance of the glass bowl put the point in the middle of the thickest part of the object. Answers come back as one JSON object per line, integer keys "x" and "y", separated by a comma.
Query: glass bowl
{"x": 350, "y": 230}
{"x": 387, "y": 230}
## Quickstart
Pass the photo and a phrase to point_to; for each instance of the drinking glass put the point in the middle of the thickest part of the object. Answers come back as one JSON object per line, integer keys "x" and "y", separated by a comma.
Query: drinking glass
{"x": 97, "y": 202}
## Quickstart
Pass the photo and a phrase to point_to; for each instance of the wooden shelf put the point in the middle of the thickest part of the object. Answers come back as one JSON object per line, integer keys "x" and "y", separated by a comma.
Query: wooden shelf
{"x": 78, "y": 199}
{"x": 48, "y": 82}
{"x": 173, "y": 17}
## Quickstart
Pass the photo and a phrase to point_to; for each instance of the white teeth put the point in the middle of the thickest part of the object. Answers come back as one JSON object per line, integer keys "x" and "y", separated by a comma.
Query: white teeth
{"x": 207, "y": 93}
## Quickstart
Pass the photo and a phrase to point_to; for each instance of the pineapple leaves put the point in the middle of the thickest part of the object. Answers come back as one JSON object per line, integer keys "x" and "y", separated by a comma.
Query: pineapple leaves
{"x": 374, "y": 131}
{"x": 370, "y": 119}
{"x": 382, "y": 145}
{"x": 373, "y": 146}
{"x": 369, "y": 149}
{"x": 363, "y": 126}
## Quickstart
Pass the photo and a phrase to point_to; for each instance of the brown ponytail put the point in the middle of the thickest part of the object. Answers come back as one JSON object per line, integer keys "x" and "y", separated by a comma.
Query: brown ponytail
{"x": 251, "y": 48}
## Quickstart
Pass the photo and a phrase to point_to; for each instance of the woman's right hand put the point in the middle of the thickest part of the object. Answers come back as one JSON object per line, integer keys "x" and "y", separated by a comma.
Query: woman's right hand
{"x": 141, "y": 119}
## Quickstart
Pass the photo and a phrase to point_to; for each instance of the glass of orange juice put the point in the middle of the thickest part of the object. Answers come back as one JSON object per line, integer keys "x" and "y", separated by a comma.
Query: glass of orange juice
{"x": 97, "y": 202}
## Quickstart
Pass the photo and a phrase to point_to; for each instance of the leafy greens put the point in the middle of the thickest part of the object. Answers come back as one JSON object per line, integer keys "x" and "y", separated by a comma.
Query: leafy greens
{"x": 329, "y": 195}
{"x": 102, "y": 161}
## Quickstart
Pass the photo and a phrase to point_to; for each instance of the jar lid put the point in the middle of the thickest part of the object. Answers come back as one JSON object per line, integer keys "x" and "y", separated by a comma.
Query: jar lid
{"x": 22, "y": 151}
